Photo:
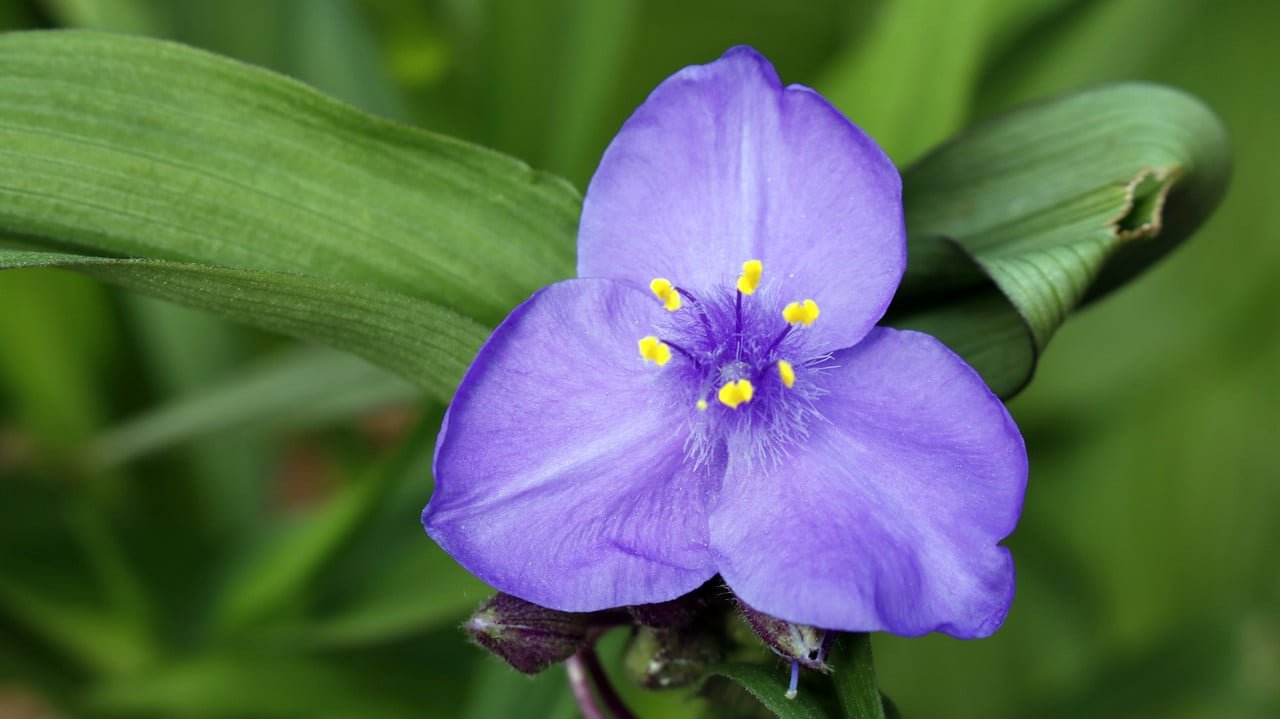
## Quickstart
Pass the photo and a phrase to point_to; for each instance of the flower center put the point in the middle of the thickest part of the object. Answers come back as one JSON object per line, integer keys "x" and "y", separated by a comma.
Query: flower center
{"x": 738, "y": 355}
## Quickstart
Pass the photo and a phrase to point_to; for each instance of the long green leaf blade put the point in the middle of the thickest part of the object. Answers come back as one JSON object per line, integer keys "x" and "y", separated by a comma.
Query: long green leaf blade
{"x": 303, "y": 388}
{"x": 423, "y": 342}
{"x": 143, "y": 148}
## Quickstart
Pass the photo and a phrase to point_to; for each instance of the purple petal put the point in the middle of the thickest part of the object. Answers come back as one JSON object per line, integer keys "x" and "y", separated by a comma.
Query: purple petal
{"x": 722, "y": 164}
{"x": 559, "y": 479}
{"x": 888, "y": 516}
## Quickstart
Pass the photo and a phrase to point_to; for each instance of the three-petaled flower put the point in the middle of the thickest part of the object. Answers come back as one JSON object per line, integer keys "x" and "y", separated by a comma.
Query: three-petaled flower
{"x": 745, "y": 238}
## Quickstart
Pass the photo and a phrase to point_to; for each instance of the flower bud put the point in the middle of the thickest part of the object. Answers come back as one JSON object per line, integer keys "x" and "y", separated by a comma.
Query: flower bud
{"x": 679, "y": 612}
{"x": 801, "y": 643}
{"x": 527, "y": 636}
{"x": 669, "y": 658}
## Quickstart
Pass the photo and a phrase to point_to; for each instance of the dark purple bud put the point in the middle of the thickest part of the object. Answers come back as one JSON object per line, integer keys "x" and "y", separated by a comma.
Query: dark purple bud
{"x": 670, "y": 658}
{"x": 800, "y": 643}
{"x": 679, "y": 612}
{"x": 527, "y": 636}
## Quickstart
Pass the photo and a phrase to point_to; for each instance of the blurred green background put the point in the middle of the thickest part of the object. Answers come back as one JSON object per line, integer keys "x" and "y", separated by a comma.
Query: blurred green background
{"x": 199, "y": 520}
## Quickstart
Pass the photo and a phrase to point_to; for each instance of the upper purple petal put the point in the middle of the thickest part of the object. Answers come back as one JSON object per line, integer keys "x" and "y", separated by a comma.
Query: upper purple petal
{"x": 558, "y": 480}
{"x": 722, "y": 164}
{"x": 887, "y": 517}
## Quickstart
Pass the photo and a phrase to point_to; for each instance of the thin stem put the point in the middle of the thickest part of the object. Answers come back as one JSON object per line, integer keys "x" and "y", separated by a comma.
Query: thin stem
{"x": 737, "y": 328}
{"x": 855, "y": 676}
{"x": 702, "y": 312}
{"x": 580, "y": 685}
{"x": 688, "y": 355}
{"x": 778, "y": 340}
{"x": 603, "y": 685}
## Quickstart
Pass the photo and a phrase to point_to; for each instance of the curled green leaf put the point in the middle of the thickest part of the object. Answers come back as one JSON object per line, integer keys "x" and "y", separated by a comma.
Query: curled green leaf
{"x": 1049, "y": 207}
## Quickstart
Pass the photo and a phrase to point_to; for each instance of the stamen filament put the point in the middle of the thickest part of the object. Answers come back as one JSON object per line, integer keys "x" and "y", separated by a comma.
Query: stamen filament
{"x": 793, "y": 689}
{"x": 778, "y": 340}
{"x": 737, "y": 329}
{"x": 687, "y": 354}
{"x": 702, "y": 312}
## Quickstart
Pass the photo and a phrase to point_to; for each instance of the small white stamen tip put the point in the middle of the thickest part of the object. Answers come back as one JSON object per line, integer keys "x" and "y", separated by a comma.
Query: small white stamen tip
{"x": 791, "y": 693}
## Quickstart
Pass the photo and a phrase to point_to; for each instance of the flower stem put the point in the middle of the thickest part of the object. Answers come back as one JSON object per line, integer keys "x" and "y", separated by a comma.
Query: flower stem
{"x": 855, "y": 677}
{"x": 584, "y": 672}
{"x": 580, "y": 685}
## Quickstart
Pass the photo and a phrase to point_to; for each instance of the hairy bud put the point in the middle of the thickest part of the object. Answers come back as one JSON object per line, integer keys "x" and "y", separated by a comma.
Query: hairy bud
{"x": 801, "y": 643}
{"x": 669, "y": 658}
{"x": 527, "y": 636}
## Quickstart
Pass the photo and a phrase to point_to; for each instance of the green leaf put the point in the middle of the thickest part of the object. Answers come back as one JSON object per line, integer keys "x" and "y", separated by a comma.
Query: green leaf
{"x": 420, "y": 588}
{"x": 426, "y": 343}
{"x": 277, "y": 573}
{"x": 51, "y": 347}
{"x": 499, "y": 691}
{"x": 1089, "y": 41}
{"x": 327, "y": 44}
{"x": 854, "y": 676}
{"x": 181, "y": 350}
{"x": 266, "y": 683}
{"x": 909, "y": 79}
{"x": 134, "y": 147}
{"x": 304, "y": 387}
{"x": 1052, "y": 205}
{"x": 769, "y": 687}
{"x": 131, "y": 16}
{"x": 543, "y": 101}
{"x": 64, "y": 580}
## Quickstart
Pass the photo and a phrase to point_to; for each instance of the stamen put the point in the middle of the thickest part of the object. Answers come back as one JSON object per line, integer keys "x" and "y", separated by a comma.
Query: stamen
{"x": 735, "y": 393}
{"x": 801, "y": 313}
{"x": 793, "y": 689}
{"x": 702, "y": 313}
{"x": 778, "y": 340}
{"x": 702, "y": 405}
{"x": 737, "y": 324}
{"x": 749, "y": 280}
{"x": 654, "y": 350}
{"x": 787, "y": 373}
{"x": 666, "y": 292}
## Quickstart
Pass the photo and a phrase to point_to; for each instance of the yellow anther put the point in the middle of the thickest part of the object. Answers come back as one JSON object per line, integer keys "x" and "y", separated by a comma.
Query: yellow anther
{"x": 749, "y": 280}
{"x": 702, "y": 405}
{"x": 801, "y": 313}
{"x": 666, "y": 292}
{"x": 654, "y": 350}
{"x": 787, "y": 373}
{"x": 735, "y": 393}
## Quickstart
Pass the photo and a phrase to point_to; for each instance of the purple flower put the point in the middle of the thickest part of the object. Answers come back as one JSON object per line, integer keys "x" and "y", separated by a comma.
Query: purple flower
{"x": 712, "y": 394}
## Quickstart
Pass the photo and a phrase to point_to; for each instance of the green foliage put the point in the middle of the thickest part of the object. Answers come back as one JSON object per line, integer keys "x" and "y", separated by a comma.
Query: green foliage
{"x": 763, "y": 683}
{"x": 424, "y": 342}
{"x": 148, "y": 565}
{"x": 1055, "y": 204}
{"x": 855, "y": 677}
{"x": 147, "y": 149}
